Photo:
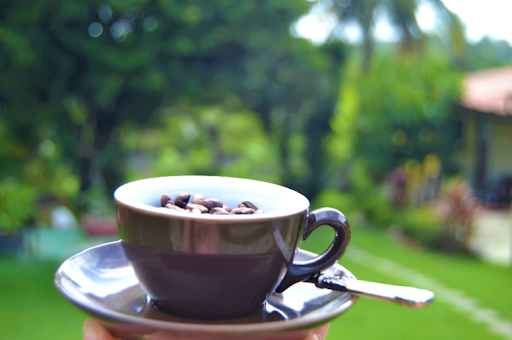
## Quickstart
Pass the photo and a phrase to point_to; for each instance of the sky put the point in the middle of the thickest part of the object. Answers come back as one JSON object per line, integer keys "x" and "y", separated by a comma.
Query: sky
{"x": 481, "y": 18}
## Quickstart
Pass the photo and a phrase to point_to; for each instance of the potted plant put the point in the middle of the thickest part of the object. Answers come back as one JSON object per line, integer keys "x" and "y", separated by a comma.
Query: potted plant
{"x": 17, "y": 208}
{"x": 100, "y": 217}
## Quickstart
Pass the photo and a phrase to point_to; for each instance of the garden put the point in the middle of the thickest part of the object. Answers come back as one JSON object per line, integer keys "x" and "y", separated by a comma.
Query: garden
{"x": 97, "y": 94}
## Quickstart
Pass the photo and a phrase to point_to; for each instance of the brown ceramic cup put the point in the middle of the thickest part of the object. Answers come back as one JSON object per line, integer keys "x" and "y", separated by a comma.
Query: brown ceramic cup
{"x": 220, "y": 266}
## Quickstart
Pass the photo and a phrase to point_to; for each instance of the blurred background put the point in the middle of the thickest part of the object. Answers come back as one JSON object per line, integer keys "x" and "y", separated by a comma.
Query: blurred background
{"x": 395, "y": 112}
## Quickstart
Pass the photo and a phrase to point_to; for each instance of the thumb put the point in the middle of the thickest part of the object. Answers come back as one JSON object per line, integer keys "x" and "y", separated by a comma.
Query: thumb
{"x": 93, "y": 330}
{"x": 319, "y": 333}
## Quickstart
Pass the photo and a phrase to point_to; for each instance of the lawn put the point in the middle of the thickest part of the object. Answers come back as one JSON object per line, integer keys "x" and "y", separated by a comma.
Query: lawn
{"x": 482, "y": 293}
{"x": 31, "y": 308}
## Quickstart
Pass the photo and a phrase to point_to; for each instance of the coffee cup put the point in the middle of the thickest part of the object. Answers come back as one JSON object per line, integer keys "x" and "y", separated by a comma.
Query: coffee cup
{"x": 206, "y": 266}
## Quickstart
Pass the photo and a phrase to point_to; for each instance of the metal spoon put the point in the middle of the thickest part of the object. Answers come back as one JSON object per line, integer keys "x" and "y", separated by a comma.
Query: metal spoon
{"x": 406, "y": 296}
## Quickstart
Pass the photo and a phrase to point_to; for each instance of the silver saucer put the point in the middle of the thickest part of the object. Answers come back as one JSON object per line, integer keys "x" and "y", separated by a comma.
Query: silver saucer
{"x": 101, "y": 282}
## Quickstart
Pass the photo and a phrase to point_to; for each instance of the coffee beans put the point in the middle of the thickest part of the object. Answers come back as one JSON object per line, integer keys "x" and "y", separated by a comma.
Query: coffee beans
{"x": 247, "y": 204}
{"x": 202, "y": 208}
{"x": 202, "y": 205}
{"x": 181, "y": 200}
{"x": 219, "y": 211}
{"x": 164, "y": 200}
{"x": 242, "y": 211}
{"x": 198, "y": 199}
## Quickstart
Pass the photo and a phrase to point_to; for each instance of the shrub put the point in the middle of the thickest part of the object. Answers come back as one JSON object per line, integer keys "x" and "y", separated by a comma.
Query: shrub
{"x": 421, "y": 224}
{"x": 17, "y": 204}
{"x": 457, "y": 206}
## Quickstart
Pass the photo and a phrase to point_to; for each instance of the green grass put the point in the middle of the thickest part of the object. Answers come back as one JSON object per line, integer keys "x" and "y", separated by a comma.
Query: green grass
{"x": 31, "y": 308}
{"x": 369, "y": 319}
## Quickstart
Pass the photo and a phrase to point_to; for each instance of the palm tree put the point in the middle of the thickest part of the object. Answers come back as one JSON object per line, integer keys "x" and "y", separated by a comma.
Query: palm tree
{"x": 401, "y": 15}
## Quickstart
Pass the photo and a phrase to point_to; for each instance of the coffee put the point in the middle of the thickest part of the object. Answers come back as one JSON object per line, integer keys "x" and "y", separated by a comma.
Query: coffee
{"x": 202, "y": 205}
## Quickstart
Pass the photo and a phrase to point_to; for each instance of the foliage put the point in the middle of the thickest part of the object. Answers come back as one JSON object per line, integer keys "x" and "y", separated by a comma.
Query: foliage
{"x": 75, "y": 74}
{"x": 364, "y": 198}
{"x": 401, "y": 16}
{"x": 16, "y": 203}
{"x": 444, "y": 223}
{"x": 95, "y": 93}
{"x": 98, "y": 203}
{"x": 399, "y": 110}
{"x": 421, "y": 224}
{"x": 413, "y": 203}
{"x": 202, "y": 140}
{"x": 343, "y": 201}
{"x": 29, "y": 174}
{"x": 487, "y": 54}
{"x": 416, "y": 182}
{"x": 457, "y": 206}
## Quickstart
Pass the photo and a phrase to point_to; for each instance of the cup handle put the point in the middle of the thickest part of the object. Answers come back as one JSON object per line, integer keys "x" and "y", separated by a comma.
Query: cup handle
{"x": 300, "y": 271}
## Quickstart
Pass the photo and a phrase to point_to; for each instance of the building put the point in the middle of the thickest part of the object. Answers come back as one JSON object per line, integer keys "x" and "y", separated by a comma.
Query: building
{"x": 485, "y": 113}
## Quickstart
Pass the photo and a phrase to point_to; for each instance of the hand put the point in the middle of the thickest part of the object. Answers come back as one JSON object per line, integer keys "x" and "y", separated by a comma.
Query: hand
{"x": 93, "y": 330}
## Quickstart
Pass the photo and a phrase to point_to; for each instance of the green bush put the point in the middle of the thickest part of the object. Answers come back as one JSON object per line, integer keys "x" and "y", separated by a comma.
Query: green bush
{"x": 204, "y": 141}
{"x": 344, "y": 202}
{"x": 422, "y": 224}
{"x": 373, "y": 208}
{"x": 17, "y": 203}
{"x": 363, "y": 197}
{"x": 378, "y": 209}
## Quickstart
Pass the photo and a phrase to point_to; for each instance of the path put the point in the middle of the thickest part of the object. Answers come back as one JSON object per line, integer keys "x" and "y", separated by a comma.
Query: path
{"x": 492, "y": 238}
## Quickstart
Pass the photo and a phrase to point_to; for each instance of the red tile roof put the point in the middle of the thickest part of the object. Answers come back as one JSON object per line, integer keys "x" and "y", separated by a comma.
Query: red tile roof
{"x": 489, "y": 91}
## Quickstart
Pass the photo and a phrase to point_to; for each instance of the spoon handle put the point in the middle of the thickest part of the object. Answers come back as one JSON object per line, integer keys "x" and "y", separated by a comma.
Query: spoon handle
{"x": 406, "y": 296}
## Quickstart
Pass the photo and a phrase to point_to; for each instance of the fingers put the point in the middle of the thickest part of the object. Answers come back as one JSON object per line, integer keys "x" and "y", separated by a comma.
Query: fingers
{"x": 319, "y": 333}
{"x": 93, "y": 330}
{"x": 161, "y": 336}
{"x": 312, "y": 336}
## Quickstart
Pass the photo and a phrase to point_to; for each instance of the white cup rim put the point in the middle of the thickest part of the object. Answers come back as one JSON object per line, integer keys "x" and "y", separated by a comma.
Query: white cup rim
{"x": 144, "y": 196}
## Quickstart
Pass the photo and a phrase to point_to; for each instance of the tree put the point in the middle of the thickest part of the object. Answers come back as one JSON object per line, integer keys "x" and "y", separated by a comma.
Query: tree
{"x": 73, "y": 73}
{"x": 398, "y": 110}
{"x": 400, "y": 14}
{"x": 487, "y": 54}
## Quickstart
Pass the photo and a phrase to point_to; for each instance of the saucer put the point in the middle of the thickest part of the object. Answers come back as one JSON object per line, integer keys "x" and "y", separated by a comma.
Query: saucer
{"x": 101, "y": 282}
